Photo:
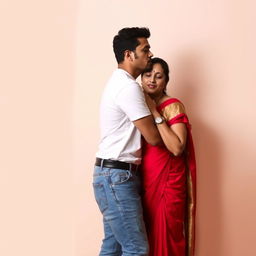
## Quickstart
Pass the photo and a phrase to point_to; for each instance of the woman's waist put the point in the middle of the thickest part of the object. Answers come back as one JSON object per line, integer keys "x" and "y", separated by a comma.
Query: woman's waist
{"x": 159, "y": 152}
{"x": 158, "y": 157}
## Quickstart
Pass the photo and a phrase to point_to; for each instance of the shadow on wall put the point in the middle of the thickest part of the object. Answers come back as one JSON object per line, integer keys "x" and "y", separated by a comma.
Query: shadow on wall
{"x": 189, "y": 84}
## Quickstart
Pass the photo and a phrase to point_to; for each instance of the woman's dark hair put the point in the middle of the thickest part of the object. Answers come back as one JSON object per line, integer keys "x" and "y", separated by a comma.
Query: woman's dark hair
{"x": 127, "y": 39}
{"x": 163, "y": 64}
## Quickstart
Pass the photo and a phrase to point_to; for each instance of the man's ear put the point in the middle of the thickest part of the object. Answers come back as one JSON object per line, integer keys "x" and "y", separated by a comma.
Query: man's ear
{"x": 129, "y": 55}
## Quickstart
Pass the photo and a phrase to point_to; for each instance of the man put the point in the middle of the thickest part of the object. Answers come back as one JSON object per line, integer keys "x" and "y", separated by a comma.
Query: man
{"x": 124, "y": 117}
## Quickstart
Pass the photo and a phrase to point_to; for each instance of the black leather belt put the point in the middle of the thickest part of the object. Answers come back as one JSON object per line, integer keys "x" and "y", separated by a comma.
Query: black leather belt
{"x": 115, "y": 164}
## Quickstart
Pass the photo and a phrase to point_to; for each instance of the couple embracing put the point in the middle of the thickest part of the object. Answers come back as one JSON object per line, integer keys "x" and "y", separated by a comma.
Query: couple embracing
{"x": 144, "y": 175}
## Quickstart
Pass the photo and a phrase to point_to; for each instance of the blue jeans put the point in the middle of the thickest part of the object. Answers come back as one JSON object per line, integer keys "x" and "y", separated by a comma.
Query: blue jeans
{"x": 117, "y": 193}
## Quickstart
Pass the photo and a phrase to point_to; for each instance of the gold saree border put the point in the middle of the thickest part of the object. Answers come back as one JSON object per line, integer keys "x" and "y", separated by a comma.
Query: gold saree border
{"x": 173, "y": 110}
{"x": 190, "y": 217}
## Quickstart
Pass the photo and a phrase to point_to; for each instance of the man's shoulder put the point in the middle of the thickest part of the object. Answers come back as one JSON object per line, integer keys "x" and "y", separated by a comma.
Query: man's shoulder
{"x": 123, "y": 76}
{"x": 120, "y": 80}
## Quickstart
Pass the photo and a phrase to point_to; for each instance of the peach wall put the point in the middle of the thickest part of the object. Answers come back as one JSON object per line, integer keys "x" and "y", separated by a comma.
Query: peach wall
{"x": 37, "y": 67}
{"x": 55, "y": 58}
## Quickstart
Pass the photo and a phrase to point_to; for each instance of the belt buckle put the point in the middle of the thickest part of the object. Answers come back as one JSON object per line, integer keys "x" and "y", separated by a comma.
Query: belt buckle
{"x": 101, "y": 163}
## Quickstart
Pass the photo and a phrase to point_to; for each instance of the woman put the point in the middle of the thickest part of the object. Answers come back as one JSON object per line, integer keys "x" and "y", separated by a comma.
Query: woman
{"x": 168, "y": 171}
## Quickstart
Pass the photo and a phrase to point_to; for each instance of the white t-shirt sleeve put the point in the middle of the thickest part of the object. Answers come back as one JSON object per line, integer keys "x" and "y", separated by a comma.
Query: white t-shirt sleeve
{"x": 131, "y": 100}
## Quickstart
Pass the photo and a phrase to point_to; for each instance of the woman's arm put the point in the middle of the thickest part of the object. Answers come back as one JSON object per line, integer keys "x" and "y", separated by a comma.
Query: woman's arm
{"x": 174, "y": 137}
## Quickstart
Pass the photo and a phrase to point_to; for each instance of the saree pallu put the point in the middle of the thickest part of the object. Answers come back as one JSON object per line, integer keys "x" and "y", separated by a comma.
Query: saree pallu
{"x": 169, "y": 191}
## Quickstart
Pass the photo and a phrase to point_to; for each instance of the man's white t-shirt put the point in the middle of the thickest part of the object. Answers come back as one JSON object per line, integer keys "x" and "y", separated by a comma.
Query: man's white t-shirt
{"x": 122, "y": 102}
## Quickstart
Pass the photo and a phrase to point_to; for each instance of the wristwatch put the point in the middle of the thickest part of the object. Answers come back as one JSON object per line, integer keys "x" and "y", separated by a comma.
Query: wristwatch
{"x": 159, "y": 120}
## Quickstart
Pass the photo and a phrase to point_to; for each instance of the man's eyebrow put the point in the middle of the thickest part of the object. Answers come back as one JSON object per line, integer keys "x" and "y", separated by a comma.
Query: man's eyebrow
{"x": 146, "y": 46}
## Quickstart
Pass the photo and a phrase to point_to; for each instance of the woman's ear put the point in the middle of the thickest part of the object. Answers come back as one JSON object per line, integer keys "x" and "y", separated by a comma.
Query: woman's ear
{"x": 165, "y": 90}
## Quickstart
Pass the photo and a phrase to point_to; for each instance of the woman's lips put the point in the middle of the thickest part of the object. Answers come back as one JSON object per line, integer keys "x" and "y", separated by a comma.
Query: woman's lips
{"x": 152, "y": 86}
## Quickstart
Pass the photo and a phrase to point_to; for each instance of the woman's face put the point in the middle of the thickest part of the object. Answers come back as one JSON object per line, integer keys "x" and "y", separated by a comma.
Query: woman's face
{"x": 153, "y": 82}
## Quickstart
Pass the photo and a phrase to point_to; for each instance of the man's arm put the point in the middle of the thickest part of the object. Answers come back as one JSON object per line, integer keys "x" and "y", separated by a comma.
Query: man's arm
{"x": 132, "y": 102}
{"x": 148, "y": 130}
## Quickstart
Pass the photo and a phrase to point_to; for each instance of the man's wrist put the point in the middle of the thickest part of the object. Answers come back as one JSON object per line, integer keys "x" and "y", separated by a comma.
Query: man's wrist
{"x": 155, "y": 113}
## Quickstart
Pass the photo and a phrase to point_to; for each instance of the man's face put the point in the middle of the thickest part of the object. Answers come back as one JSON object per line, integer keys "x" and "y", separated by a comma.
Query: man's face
{"x": 142, "y": 54}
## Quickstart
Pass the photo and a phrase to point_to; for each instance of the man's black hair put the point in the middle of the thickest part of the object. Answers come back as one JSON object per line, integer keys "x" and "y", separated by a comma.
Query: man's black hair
{"x": 127, "y": 39}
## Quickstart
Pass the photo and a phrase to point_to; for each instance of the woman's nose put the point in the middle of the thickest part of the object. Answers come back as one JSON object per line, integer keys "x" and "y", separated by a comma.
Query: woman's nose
{"x": 152, "y": 79}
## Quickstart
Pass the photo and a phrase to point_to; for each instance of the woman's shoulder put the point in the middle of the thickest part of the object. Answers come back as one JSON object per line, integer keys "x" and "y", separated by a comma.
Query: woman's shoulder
{"x": 170, "y": 101}
{"x": 171, "y": 107}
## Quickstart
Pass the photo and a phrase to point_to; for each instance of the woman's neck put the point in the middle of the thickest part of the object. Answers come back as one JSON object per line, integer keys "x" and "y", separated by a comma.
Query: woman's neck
{"x": 158, "y": 98}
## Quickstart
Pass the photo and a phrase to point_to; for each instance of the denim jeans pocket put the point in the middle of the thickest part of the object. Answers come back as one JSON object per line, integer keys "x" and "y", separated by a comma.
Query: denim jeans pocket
{"x": 119, "y": 176}
{"x": 100, "y": 196}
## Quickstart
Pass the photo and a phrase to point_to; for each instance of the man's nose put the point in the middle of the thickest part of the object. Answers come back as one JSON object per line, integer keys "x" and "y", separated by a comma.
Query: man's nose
{"x": 150, "y": 54}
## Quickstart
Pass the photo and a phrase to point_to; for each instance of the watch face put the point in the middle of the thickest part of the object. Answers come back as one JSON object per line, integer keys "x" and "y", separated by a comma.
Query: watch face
{"x": 158, "y": 120}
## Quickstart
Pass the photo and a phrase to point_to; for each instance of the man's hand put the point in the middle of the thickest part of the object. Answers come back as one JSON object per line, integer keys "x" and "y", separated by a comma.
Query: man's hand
{"x": 151, "y": 103}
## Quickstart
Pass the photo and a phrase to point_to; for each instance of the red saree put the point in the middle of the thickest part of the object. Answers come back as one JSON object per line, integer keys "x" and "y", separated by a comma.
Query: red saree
{"x": 169, "y": 191}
